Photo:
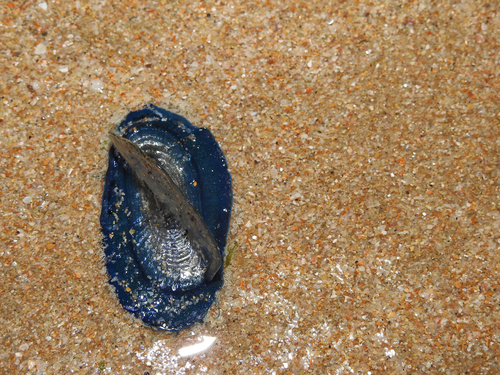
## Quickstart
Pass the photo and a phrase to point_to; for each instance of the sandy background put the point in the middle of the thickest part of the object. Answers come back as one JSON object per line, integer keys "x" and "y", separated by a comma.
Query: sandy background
{"x": 363, "y": 142}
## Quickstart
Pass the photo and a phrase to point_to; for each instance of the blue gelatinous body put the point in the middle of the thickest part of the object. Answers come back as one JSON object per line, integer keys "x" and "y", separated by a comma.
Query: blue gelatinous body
{"x": 165, "y": 215}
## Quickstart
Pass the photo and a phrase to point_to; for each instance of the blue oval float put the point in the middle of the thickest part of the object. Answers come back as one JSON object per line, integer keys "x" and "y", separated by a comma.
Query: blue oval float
{"x": 165, "y": 215}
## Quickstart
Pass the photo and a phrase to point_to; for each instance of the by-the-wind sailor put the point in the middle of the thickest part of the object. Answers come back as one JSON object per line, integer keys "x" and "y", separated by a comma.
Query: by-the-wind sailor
{"x": 165, "y": 216}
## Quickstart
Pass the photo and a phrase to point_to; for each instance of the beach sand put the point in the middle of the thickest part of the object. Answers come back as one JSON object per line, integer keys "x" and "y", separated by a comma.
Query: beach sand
{"x": 363, "y": 143}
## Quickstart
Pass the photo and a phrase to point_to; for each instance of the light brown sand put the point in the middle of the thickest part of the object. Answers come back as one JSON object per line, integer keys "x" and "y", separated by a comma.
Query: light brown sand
{"x": 363, "y": 142}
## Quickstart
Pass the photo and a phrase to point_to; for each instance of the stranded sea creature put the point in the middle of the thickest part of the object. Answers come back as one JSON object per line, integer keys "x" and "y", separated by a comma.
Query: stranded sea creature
{"x": 165, "y": 216}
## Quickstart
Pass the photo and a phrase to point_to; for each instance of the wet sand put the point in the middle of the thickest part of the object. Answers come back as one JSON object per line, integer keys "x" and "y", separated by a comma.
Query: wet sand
{"x": 363, "y": 143}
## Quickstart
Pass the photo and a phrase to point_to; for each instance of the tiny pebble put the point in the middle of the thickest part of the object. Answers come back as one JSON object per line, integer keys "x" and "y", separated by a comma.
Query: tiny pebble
{"x": 40, "y": 49}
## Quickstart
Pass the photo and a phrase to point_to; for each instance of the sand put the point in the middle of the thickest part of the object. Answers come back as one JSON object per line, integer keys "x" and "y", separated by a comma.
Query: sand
{"x": 363, "y": 143}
